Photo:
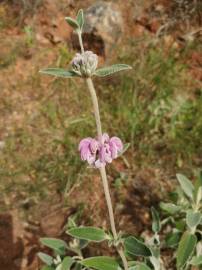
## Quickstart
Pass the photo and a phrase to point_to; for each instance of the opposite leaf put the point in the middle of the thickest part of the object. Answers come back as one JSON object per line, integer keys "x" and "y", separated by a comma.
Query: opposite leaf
{"x": 141, "y": 266}
{"x": 186, "y": 185}
{"x": 73, "y": 23}
{"x": 156, "y": 224}
{"x": 170, "y": 208}
{"x": 193, "y": 219}
{"x": 45, "y": 258}
{"x": 59, "y": 72}
{"x": 56, "y": 244}
{"x": 185, "y": 249}
{"x": 136, "y": 248}
{"x": 88, "y": 233}
{"x": 101, "y": 263}
{"x": 103, "y": 72}
{"x": 80, "y": 18}
{"x": 67, "y": 263}
{"x": 196, "y": 260}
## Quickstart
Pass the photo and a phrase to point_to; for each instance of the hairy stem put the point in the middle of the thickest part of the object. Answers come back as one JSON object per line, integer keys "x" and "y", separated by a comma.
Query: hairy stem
{"x": 102, "y": 169}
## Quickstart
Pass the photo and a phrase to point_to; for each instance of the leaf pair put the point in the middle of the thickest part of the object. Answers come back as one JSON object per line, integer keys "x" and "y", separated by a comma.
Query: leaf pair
{"x": 101, "y": 72}
{"x": 78, "y": 23}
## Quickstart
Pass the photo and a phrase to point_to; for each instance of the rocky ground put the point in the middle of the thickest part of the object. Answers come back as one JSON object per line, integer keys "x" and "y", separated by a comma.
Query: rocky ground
{"x": 34, "y": 35}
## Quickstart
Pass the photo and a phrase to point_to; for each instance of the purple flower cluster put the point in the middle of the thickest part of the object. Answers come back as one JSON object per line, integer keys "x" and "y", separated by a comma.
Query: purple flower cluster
{"x": 98, "y": 154}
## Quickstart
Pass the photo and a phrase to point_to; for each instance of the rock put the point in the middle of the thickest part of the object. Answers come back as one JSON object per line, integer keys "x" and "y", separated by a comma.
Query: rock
{"x": 53, "y": 223}
{"x": 102, "y": 29}
{"x": 11, "y": 244}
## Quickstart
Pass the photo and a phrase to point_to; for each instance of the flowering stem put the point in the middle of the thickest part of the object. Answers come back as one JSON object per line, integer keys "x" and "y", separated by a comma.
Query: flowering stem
{"x": 102, "y": 169}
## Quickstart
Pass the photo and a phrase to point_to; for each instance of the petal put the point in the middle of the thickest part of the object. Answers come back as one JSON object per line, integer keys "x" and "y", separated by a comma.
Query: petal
{"x": 117, "y": 141}
{"x": 84, "y": 142}
{"x": 94, "y": 145}
{"x": 105, "y": 138}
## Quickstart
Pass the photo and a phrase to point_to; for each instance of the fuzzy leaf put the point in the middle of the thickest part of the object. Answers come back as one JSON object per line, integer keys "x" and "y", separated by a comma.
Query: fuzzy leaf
{"x": 46, "y": 267}
{"x": 80, "y": 18}
{"x": 59, "y": 72}
{"x": 193, "y": 218}
{"x": 185, "y": 249}
{"x": 172, "y": 239}
{"x": 141, "y": 266}
{"x": 45, "y": 258}
{"x": 170, "y": 208}
{"x": 101, "y": 263}
{"x": 88, "y": 233}
{"x": 55, "y": 244}
{"x": 73, "y": 23}
{"x": 67, "y": 263}
{"x": 196, "y": 260}
{"x": 136, "y": 248}
{"x": 156, "y": 224}
{"x": 125, "y": 148}
{"x": 186, "y": 185}
{"x": 106, "y": 71}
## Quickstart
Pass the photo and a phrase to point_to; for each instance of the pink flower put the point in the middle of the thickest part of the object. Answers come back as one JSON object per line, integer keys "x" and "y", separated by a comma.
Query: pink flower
{"x": 88, "y": 148}
{"x": 99, "y": 154}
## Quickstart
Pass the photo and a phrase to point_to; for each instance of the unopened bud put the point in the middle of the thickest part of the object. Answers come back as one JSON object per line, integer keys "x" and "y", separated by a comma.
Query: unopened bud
{"x": 85, "y": 64}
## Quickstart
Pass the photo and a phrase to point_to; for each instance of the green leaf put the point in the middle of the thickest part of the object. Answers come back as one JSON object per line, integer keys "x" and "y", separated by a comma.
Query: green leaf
{"x": 186, "y": 185}
{"x": 73, "y": 23}
{"x": 135, "y": 247}
{"x": 67, "y": 263}
{"x": 141, "y": 266}
{"x": 172, "y": 239}
{"x": 193, "y": 218}
{"x": 59, "y": 72}
{"x": 80, "y": 18}
{"x": 101, "y": 263}
{"x": 156, "y": 224}
{"x": 196, "y": 260}
{"x": 45, "y": 258}
{"x": 185, "y": 249}
{"x": 88, "y": 233}
{"x": 47, "y": 268}
{"x": 125, "y": 148}
{"x": 170, "y": 208}
{"x": 56, "y": 244}
{"x": 106, "y": 71}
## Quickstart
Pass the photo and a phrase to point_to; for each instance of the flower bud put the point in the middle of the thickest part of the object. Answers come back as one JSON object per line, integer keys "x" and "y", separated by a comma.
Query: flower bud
{"x": 85, "y": 64}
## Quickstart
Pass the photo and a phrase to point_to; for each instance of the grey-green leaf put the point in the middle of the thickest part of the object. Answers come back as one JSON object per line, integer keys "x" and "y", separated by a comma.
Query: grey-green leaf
{"x": 80, "y": 18}
{"x": 185, "y": 249}
{"x": 88, "y": 233}
{"x": 101, "y": 263}
{"x": 172, "y": 239}
{"x": 55, "y": 244}
{"x": 186, "y": 185}
{"x": 106, "y": 71}
{"x": 156, "y": 224}
{"x": 45, "y": 258}
{"x": 59, "y": 72}
{"x": 73, "y": 23}
{"x": 67, "y": 263}
{"x": 170, "y": 208}
{"x": 136, "y": 248}
{"x": 46, "y": 267}
{"x": 193, "y": 219}
{"x": 141, "y": 266}
{"x": 125, "y": 148}
{"x": 196, "y": 260}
